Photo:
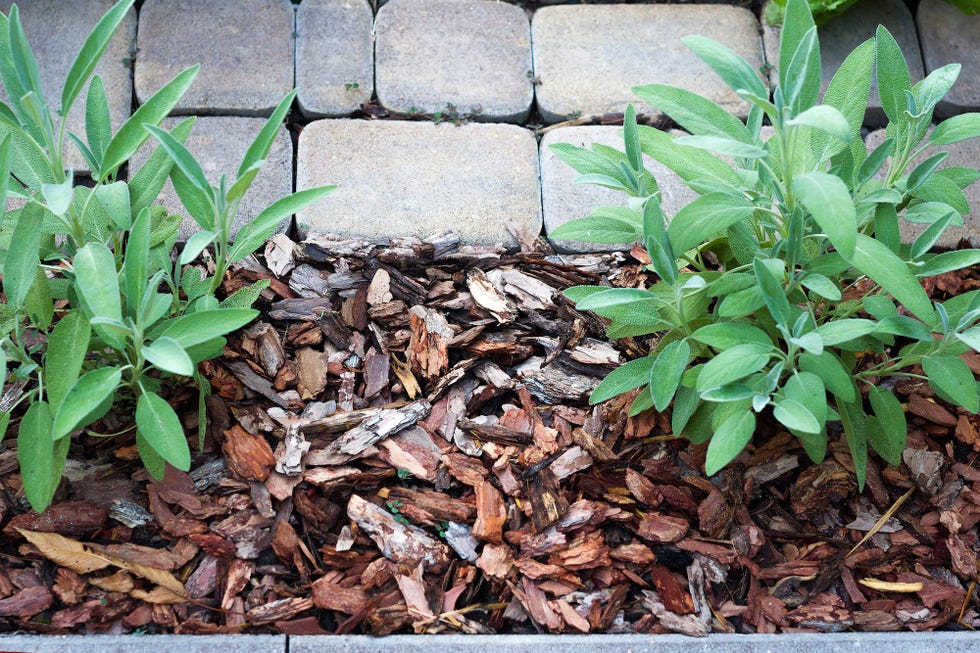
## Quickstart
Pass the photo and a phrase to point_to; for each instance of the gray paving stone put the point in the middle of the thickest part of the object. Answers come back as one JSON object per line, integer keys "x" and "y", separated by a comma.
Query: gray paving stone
{"x": 56, "y": 31}
{"x": 964, "y": 153}
{"x": 844, "y": 33}
{"x": 587, "y": 58}
{"x": 562, "y": 200}
{"x": 219, "y": 143}
{"x": 950, "y": 36}
{"x": 398, "y": 178}
{"x": 472, "y": 54}
{"x": 334, "y": 56}
{"x": 245, "y": 48}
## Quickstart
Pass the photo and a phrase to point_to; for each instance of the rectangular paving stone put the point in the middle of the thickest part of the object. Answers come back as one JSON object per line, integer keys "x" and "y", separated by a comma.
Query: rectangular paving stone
{"x": 562, "y": 200}
{"x": 219, "y": 143}
{"x": 587, "y": 58}
{"x": 144, "y": 643}
{"x": 470, "y": 55}
{"x": 964, "y": 153}
{"x": 950, "y": 36}
{"x": 244, "y": 47}
{"x": 56, "y": 31}
{"x": 401, "y": 178}
{"x": 845, "y": 32}
{"x": 334, "y": 56}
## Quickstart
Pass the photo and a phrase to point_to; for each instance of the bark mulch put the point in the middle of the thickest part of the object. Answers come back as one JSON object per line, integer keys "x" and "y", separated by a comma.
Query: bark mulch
{"x": 403, "y": 443}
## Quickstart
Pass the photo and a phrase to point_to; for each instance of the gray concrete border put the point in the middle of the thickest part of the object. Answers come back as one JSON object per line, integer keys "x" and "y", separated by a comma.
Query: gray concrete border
{"x": 896, "y": 642}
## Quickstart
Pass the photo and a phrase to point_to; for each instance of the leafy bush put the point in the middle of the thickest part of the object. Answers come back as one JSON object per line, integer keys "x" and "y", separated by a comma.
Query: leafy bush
{"x": 824, "y": 10}
{"x": 784, "y": 286}
{"x": 97, "y": 313}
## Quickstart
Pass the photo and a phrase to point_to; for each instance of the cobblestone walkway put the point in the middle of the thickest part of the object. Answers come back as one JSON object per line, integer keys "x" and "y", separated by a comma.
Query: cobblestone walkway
{"x": 494, "y": 64}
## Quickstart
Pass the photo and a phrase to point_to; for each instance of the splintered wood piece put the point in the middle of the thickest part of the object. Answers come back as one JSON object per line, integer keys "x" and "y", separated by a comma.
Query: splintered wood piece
{"x": 530, "y": 292}
{"x": 27, "y": 602}
{"x": 572, "y": 460}
{"x": 278, "y": 610}
{"x": 65, "y": 518}
{"x": 491, "y": 513}
{"x": 536, "y": 604}
{"x": 496, "y": 560}
{"x": 465, "y": 469}
{"x": 413, "y": 590}
{"x": 553, "y": 384}
{"x": 370, "y": 431}
{"x": 438, "y": 505}
{"x": 289, "y": 456}
{"x": 487, "y": 297}
{"x": 548, "y": 502}
{"x": 376, "y": 370}
{"x": 379, "y": 290}
{"x": 249, "y": 457}
{"x": 400, "y": 543}
{"x": 675, "y": 598}
{"x": 255, "y": 382}
{"x": 428, "y": 350}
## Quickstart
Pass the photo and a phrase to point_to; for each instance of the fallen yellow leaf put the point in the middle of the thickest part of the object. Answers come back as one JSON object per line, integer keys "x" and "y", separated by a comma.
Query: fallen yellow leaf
{"x": 888, "y": 586}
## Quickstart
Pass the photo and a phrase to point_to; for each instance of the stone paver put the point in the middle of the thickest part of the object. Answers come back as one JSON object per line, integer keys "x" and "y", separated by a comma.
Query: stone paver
{"x": 563, "y": 201}
{"x": 474, "y": 55}
{"x": 587, "y": 58}
{"x": 950, "y": 36}
{"x": 844, "y": 33}
{"x": 145, "y": 643}
{"x": 964, "y": 153}
{"x": 398, "y": 178}
{"x": 334, "y": 56}
{"x": 244, "y": 47}
{"x": 56, "y": 31}
{"x": 219, "y": 143}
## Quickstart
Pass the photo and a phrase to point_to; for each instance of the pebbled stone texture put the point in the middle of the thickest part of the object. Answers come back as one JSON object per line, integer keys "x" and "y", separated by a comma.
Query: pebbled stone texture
{"x": 964, "y": 153}
{"x": 587, "y": 58}
{"x": 244, "y": 47}
{"x": 399, "y": 178}
{"x": 334, "y": 56}
{"x": 950, "y": 36}
{"x": 844, "y": 33}
{"x": 219, "y": 143}
{"x": 474, "y": 55}
{"x": 56, "y": 31}
{"x": 562, "y": 200}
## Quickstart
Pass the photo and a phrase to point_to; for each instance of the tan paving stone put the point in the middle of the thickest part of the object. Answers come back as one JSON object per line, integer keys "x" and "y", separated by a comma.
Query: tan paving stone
{"x": 398, "y": 178}
{"x": 244, "y": 47}
{"x": 587, "y": 58}
{"x": 56, "y": 30}
{"x": 845, "y": 32}
{"x": 950, "y": 36}
{"x": 334, "y": 56}
{"x": 471, "y": 55}
{"x": 219, "y": 143}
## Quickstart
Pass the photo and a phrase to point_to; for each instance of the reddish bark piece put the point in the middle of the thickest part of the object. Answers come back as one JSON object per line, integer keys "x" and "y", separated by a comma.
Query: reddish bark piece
{"x": 249, "y": 457}
{"x": 414, "y": 450}
{"x": 398, "y": 542}
{"x": 657, "y": 527}
{"x": 428, "y": 351}
{"x": 214, "y": 544}
{"x": 69, "y": 518}
{"x": 642, "y": 489}
{"x": 278, "y": 610}
{"x": 491, "y": 513}
{"x": 675, "y": 598}
{"x": 930, "y": 410}
{"x": 328, "y": 595}
{"x": 27, "y": 602}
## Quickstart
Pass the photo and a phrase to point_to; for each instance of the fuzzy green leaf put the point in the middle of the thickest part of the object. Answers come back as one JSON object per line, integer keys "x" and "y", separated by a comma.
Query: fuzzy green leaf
{"x": 890, "y": 272}
{"x": 258, "y": 230}
{"x": 41, "y": 459}
{"x": 958, "y": 128}
{"x": 159, "y": 425}
{"x": 704, "y": 218}
{"x": 169, "y": 356}
{"x": 950, "y": 376}
{"x": 626, "y": 377}
{"x": 729, "y": 440}
{"x": 67, "y": 346}
{"x": 665, "y": 375}
{"x": 90, "y": 53}
{"x": 85, "y": 396}
{"x": 733, "y": 365}
{"x": 887, "y": 437}
{"x": 829, "y": 201}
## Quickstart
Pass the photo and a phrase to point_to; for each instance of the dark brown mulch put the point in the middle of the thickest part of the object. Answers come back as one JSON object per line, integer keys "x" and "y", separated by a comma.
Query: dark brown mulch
{"x": 403, "y": 443}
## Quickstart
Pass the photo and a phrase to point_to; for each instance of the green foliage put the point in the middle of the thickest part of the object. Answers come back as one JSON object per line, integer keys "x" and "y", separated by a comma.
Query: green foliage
{"x": 802, "y": 322}
{"x": 89, "y": 271}
{"x": 824, "y": 10}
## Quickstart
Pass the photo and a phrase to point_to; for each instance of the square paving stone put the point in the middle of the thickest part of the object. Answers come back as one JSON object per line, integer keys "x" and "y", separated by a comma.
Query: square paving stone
{"x": 56, "y": 31}
{"x": 245, "y": 48}
{"x": 964, "y": 153}
{"x": 334, "y": 56}
{"x": 219, "y": 143}
{"x": 950, "y": 36}
{"x": 588, "y": 58}
{"x": 402, "y": 178}
{"x": 845, "y": 32}
{"x": 562, "y": 200}
{"x": 473, "y": 56}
